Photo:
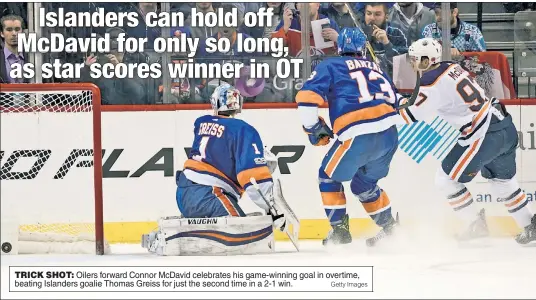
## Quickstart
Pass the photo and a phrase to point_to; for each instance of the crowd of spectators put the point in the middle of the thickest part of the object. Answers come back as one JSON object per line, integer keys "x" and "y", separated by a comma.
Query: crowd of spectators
{"x": 391, "y": 28}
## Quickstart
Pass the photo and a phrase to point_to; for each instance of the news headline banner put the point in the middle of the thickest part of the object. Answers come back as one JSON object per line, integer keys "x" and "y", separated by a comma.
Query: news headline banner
{"x": 191, "y": 279}
{"x": 112, "y": 48}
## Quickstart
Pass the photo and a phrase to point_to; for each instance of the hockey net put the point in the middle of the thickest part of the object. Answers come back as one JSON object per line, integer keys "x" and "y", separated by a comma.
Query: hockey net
{"x": 51, "y": 172}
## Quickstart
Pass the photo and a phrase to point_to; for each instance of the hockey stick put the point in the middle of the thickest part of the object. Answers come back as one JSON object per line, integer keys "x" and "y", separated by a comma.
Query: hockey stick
{"x": 414, "y": 95}
{"x": 367, "y": 45}
{"x": 288, "y": 212}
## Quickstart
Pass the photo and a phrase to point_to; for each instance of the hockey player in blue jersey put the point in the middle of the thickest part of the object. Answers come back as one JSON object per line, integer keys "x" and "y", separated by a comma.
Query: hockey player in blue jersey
{"x": 361, "y": 101}
{"x": 227, "y": 160}
{"x": 226, "y": 153}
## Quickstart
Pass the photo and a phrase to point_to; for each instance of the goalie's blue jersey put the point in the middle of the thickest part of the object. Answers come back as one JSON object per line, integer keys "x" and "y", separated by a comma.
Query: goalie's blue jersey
{"x": 360, "y": 95}
{"x": 226, "y": 153}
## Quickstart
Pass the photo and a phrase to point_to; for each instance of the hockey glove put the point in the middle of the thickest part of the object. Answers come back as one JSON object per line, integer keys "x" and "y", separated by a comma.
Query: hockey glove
{"x": 279, "y": 220}
{"x": 271, "y": 160}
{"x": 320, "y": 134}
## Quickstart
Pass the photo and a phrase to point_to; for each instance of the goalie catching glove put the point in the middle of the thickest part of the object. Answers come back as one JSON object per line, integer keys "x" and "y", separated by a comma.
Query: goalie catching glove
{"x": 320, "y": 134}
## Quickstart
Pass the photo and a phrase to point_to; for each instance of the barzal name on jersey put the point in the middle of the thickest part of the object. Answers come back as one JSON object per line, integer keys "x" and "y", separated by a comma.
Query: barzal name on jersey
{"x": 353, "y": 109}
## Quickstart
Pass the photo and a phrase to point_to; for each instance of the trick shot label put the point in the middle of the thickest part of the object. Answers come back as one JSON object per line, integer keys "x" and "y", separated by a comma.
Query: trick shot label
{"x": 191, "y": 279}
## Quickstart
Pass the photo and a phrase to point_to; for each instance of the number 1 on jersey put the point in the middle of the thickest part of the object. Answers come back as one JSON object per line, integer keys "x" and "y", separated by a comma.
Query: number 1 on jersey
{"x": 256, "y": 149}
{"x": 203, "y": 146}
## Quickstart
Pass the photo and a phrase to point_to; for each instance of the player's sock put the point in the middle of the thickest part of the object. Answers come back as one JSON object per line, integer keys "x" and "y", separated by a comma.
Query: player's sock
{"x": 333, "y": 199}
{"x": 514, "y": 199}
{"x": 377, "y": 205}
{"x": 463, "y": 205}
{"x": 517, "y": 205}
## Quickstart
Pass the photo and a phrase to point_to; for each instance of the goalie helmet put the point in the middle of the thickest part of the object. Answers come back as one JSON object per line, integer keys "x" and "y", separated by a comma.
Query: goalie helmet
{"x": 226, "y": 100}
{"x": 427, "y": 48}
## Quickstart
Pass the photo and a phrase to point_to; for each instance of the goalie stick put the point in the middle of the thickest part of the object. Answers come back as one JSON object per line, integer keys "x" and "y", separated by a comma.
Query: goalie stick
{"x": 290, "y": 216}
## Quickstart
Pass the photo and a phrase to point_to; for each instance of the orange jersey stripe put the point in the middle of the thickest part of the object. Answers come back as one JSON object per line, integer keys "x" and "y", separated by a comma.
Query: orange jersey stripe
{"x": 204, "y": 167}
{"x": 225, "y": 201}
{"x": 362, "y": 114}
{"x": 519, "y": 199}
{"x": 382, "y": 202}
{"x": 333, "y": 198}
{"x": 309, "y": 97}
{"x": 476, "y": 120}
{"x": 259, "y": 173}
{"x": 464, "y": 160}
{"x": 337, "y": 156}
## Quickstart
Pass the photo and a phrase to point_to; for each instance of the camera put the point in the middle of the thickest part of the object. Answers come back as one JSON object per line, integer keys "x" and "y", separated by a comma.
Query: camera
{"x": 295, "y": 13}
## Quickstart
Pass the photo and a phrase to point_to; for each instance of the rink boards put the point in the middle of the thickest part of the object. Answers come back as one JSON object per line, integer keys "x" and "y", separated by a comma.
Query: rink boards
{"x": 143, "y": 149}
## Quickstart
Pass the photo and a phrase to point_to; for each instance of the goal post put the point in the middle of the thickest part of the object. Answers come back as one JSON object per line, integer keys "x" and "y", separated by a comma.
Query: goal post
{"x": 51, "y": 167}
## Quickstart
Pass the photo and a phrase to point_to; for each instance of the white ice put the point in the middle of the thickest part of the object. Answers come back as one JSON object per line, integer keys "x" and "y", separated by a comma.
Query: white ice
{"x": 488, "y": 268}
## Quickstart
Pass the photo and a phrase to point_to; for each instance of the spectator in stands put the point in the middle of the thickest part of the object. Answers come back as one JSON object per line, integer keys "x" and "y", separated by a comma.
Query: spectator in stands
{"x": 386, "y": 40}
{"x": 142, "y": 31}
{"x": 266, "y": 31}
{"x": 411, "y": 18}
{"x": 513, "y": 7}
{"x": 339, "y": 12}
{"x": 228, "y": 32}
{"x": 464, "y": 37}
{"x": 9, "y": 49}
{"x": 233, "y": 55}
{"x": 120, "y": 91}
{"x": 14, "y": 8}
{"x": 289, "y": 29}
{"x": 202, "y": 32}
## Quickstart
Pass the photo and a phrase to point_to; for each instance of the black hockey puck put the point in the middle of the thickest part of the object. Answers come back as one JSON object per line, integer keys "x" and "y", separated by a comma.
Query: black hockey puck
{"x": 6, "y": 247}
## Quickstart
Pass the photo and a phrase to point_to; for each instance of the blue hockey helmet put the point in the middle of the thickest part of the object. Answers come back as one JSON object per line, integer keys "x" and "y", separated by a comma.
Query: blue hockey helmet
{"x": 226, "y": 99}
{"x": 352, "y": 40}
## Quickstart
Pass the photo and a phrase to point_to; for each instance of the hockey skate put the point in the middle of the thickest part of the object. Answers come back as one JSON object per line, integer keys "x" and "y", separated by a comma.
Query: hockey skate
{"x": 387, "y": 230}
{"x": 340, "y": 234}
{"x": 529, "y": 233}
{"x": 477, "y": 229}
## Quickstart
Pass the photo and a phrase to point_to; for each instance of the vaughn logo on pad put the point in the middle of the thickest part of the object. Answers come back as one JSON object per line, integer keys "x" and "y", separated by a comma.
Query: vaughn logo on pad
{"x": 202, "y": 221}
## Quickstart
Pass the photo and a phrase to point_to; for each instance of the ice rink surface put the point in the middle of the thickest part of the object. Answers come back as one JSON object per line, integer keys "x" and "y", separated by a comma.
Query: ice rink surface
{"x": 487, "y": 268}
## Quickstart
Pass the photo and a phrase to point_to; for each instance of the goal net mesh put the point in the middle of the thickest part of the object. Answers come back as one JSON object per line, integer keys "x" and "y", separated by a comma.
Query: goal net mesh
{"x": 47, "y": 172}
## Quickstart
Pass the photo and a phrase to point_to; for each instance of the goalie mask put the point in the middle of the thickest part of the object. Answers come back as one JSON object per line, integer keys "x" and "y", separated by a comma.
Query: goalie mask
{"x": 426, "y": 48}
{"x": 226, "y": 100}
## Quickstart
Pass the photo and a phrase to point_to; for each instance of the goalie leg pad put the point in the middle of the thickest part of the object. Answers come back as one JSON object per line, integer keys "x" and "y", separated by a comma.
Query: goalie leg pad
{"x": 212, "y": 236}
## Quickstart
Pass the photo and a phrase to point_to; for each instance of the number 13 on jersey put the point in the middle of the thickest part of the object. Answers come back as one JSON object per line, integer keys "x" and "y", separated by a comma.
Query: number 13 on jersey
{"x": 383, "y": 89}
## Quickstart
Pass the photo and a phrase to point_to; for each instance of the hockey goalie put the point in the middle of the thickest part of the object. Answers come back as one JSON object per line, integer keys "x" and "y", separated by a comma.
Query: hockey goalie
{"x": 227, "y": 160}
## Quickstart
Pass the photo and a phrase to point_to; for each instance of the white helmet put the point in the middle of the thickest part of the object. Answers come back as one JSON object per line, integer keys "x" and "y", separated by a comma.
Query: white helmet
{"x": 425, "y": 48}
{"x": 226, "y": 98}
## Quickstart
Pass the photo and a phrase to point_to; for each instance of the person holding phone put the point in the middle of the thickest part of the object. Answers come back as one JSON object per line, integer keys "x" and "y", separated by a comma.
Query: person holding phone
{"x": 386, "y": 41}
{"x": 290, "y": 29}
